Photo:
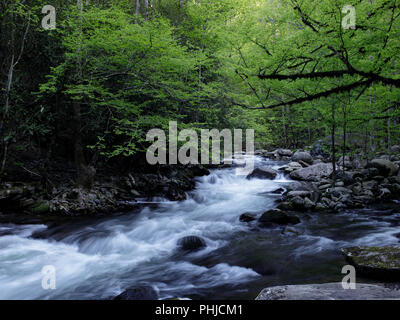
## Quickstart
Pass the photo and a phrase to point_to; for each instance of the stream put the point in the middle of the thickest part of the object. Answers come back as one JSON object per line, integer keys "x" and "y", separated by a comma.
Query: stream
{"x": 98, "y": 259}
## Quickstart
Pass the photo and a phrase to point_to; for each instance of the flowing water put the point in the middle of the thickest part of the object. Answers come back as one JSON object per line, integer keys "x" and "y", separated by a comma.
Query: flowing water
{"x": 97, "y": 259}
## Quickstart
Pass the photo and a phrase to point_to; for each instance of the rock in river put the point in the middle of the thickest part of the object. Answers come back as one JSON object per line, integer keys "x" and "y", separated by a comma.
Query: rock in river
{"x": 328, "y": 291}
{"x": 263, "y": 173}
{"x": 276, "y": 216}
{"x": 247, "y": 217}
{"x": 375, "y": 262}
{"x": 138, "y": 293}
{"x": 191, "y": 243}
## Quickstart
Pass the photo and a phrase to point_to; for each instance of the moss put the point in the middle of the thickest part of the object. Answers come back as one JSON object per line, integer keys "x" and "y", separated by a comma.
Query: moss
{"x": 376, "y": 257}
{"x": 40, "y": 208}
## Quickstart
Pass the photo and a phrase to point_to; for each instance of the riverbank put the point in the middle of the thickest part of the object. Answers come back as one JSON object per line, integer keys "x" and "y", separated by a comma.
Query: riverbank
{"x": 356, "y": 184}
{"x": 110, "y": 193}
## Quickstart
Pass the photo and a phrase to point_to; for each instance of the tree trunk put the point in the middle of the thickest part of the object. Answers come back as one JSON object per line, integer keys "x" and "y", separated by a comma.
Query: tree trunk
{"x": 333, "y": 143}
{"x": 146, "y": 9}
{"x": 137, "y": 9}
{"x": 84, "y": 173}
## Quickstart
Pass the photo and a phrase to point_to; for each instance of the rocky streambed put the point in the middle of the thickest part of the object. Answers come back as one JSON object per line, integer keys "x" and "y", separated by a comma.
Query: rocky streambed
{"x": 226, "y": 240}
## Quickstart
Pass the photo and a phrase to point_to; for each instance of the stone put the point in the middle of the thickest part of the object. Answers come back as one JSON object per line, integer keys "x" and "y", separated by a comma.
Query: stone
{"x": 313, "y": 173}
{"x": 276, "y": 216}
{"x": 308, "y": 204}
{"x": 247, "y": 217}
{"x": 329, "y": 291}
{"x": 263, "y": 173}
{"x": 385, "y": 167}
{"x": 302, "y": 156}
{"x": 302, "y": 194}
{"x": 375, "y": 262}
{"x": 284, "y": 152}
{"x": 138, "y": 293}
{"x": 191, "y": 243}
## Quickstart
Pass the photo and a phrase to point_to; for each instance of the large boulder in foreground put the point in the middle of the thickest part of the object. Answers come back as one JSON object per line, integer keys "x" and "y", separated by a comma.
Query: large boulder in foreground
{"x": 276, "y": 216}
{"x": 263, "y": 173}
{"x": 329, "y": 291}
{"x": 315, "y": 172}
{"x": 138, "y": 293}
{"x": 375, "y": 262}
{"x": 302, "y": 156}
{"x": 386, "y": 168}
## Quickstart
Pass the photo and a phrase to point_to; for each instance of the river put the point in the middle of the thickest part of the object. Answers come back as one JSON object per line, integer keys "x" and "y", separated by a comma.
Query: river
{"x": 99, "y": 258}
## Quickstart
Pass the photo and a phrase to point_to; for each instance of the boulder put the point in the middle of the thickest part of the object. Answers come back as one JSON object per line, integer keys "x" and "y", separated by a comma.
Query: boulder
{"x": 302, "y": 156}
{"x": 302, "y": 194}
{"x": 328, "y": 291}
{"x": 291, "y": 167}
{"x": 276, "y": 216}
{"x": 313, "y": 173}
{"x": 284, "y": 152}
{"x": 395, "y": 149}
{"x": 386, "y": 168}
{"x": 138, "y": 293}
{"x": 375, "y": 262}
{"x": 263, "y": 173}
{"x": 247, "y": 217}
{"x": 191, "y": 243}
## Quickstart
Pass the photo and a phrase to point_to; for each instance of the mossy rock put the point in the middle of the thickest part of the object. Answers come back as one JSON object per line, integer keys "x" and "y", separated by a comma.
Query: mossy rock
{"x": 375, "y": 262}
{"x": 41, "y": 207}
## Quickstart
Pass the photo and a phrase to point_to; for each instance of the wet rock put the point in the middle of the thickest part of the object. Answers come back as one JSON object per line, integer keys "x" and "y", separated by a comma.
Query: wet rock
{"x": 138, "y": 293}
{"x": 328, "y": 291}
{"x": 301, "y": 194}
{"x": 247, "y": 217}
{"x": 302, "y": 156}
{"x": 308, "y": 204}
{"x": 339, "y": 191}
{"x": 191, "y": 243}
{"x": 175, "y": 194}
{"x": 263, "y": 173}
{"x": 276, "y": 216}
{"x": 313, "y": 173}
{"x": 291, "y": 167}
{"x": 375, "y": 262}
{"x": 320, "y": 207}
{"x": 385, "y": 167}
{"x": 278, "y": 191}
{"x": 384, "y": 193}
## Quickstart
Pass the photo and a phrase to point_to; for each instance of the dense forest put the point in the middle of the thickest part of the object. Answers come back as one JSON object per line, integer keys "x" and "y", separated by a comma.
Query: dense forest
{"x": 88, "y": 88}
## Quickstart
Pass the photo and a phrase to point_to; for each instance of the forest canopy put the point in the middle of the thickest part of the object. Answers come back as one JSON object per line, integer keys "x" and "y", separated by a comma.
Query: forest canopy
{"x": 293, "y": 70}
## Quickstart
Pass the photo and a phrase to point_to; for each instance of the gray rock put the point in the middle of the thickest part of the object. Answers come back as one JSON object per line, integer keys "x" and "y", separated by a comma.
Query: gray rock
{"x": 395, "y": 149}
{"x": 385, "y": 167}
{"x": 308, "y": 204}
{"x": 247, "y": 217}
{"x": 302, "y": 194}
{"x": 284, "y": 152}
{"x": 313, "y": 173}
{"x": 302, "y": 156}
{"x": 263, "y": 173}
{"x": 329, "y": 291}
